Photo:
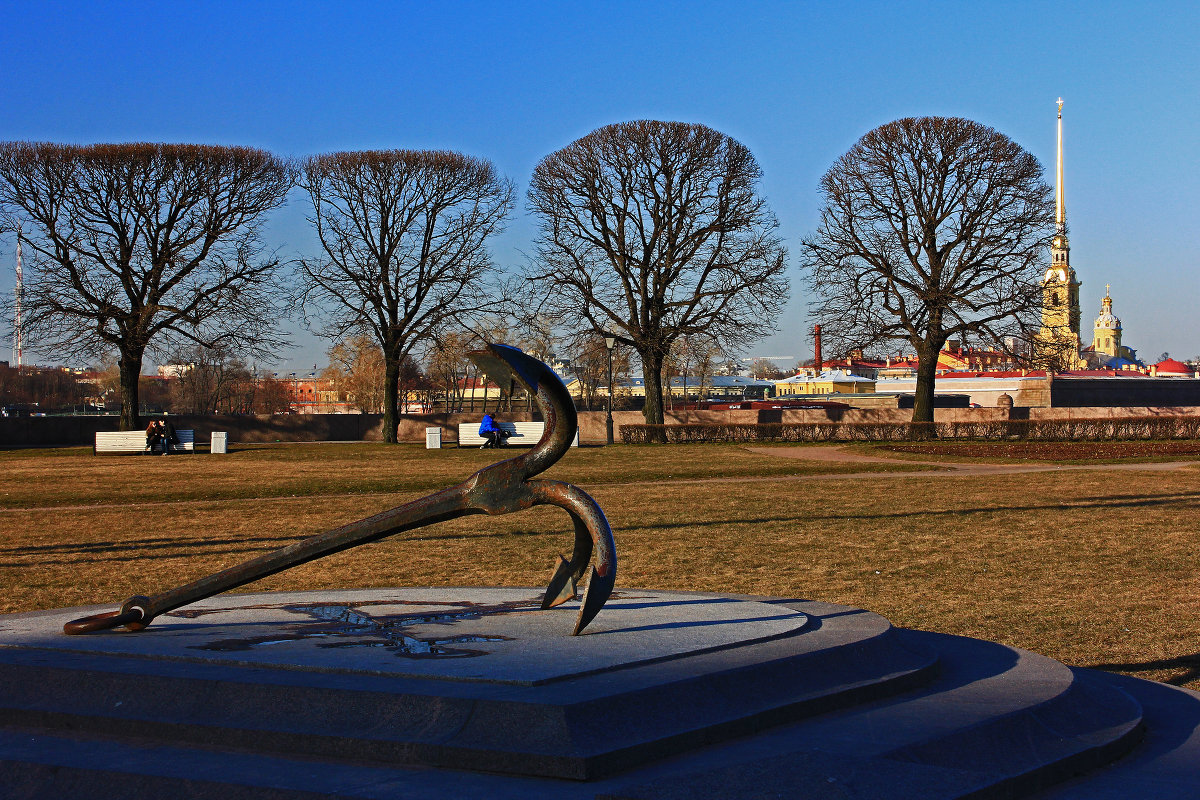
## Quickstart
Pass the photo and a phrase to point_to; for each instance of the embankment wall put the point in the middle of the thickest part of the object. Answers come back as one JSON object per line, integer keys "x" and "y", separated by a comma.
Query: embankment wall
{"x": 75, "y": 431}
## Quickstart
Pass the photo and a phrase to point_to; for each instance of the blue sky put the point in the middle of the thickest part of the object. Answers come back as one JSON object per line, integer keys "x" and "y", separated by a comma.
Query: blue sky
{"x": 798, "y": 83}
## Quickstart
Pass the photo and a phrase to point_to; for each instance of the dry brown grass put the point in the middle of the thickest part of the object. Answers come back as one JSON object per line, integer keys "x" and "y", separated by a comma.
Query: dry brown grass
{"x": 1088, "y": 566}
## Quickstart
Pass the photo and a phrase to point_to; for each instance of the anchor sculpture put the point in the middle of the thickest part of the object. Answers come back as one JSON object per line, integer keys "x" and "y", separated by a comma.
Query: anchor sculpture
{"x": 499, "y": 489}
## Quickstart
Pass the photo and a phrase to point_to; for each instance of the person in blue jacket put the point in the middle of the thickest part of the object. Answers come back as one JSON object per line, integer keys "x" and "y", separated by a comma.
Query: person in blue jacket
{"x": 488, "y": 430}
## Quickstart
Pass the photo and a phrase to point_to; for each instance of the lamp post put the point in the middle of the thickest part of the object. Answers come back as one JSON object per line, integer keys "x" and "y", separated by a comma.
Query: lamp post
{"x": 610, "y": 342}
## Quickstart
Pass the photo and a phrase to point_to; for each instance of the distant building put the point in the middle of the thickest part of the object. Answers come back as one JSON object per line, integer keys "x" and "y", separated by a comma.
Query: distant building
{"x": 1170, "y": 368}
{"x": 832, "y": 381}
{"x": 1058, "y": 345}
{"x": 169, "y": 371}
{"x": 1025, "y": 387}
{"x": 1106, "y": 350}
{"x": 1058, "y": 342}
{"x": 316, "y": 396}
{"x": 715, "y": 387}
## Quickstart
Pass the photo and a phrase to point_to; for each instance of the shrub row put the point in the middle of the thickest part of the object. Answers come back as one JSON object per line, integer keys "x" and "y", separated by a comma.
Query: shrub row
{"x": 1098, "y": 429}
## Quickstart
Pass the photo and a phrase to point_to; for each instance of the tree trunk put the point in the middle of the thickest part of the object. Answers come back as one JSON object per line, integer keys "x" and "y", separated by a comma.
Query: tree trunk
{"x": 130, "y": 364}
{"x": 391, "y": 394}
{"x": 652, "y": 366}
{"x": 927, "y": 360}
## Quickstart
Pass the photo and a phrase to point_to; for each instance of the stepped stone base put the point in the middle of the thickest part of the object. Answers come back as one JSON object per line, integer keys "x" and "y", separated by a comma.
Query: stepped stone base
{"x": 414, "y": 693}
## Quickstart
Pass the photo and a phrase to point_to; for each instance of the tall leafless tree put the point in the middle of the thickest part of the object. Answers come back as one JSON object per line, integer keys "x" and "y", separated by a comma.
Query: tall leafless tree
{"x": 404, "y": 234}
{"x": 140, "y": 245}
{"x": 932, "y": 228}
{"x": 655, "y": 230}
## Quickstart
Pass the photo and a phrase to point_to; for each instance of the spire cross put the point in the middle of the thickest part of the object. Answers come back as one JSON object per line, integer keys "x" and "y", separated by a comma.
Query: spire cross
{"x": 1106, "y": 288}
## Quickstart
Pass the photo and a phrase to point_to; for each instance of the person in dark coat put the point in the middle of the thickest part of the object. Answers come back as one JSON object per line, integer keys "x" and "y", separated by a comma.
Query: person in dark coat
{"x": 168, "y": 436}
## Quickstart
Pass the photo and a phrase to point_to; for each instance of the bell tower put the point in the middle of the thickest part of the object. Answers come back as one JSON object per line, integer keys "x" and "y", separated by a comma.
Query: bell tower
{"x": 1059, "y": 339}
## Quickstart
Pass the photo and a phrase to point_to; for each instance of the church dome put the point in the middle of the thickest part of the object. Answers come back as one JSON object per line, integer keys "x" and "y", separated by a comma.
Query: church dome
{"x": 1107, "y": 319}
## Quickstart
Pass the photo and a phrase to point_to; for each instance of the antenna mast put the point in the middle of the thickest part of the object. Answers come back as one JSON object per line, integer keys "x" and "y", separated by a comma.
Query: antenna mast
{"x": 18, "y": 321}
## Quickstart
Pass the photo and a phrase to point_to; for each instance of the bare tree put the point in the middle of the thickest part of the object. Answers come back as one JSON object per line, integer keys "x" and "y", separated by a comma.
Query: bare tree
{"x": 207, "y": 380}
{"x": 270, "y": 395}
{"x": 134, "y": 245}
{"x": 932, "y": 228}
{"x": 707, "y": 356}
{"x": 356, "y": 370}
{"x": 49, "y": 389}
{"x": 449, "y": 369}
{"x": 764, "y": 369}
{"x": 694, "y": 355}
{"x": 404, "y": 234}
{"x": 656, "y": 230}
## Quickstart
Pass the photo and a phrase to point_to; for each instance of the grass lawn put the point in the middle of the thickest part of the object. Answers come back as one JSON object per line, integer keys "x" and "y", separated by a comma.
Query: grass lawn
{"x": 1089, "y": 566}
{"x": 1058, "y": 452}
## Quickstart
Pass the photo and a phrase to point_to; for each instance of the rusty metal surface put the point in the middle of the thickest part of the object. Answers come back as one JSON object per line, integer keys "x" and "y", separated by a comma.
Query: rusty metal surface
{"x": 499, "y": 489}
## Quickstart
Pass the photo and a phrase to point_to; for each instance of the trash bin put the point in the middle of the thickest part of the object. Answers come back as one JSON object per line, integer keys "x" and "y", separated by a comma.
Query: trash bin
{"x": 433, "y": 438}
{"x": 219, "y": 441}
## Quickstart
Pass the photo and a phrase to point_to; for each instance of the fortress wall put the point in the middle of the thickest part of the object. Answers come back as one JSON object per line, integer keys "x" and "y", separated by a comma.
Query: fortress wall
{"x": 76, "y": 431}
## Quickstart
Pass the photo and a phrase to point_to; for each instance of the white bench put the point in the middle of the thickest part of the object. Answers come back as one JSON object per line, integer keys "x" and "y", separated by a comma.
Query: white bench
{"x": 135, "y": 442}
{"x": 520, "y": 433}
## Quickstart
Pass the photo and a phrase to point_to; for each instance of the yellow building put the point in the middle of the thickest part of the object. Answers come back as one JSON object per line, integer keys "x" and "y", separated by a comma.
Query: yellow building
{"x": 837, "y": 381}
{"x": 1107, "y": 350}
{"x": 1058, "y": 342}
{"x": 1106, "y": 338}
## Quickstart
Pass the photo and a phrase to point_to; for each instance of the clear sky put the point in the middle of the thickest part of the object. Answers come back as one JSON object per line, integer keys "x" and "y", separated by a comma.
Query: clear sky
{"x": 796, "y": 82}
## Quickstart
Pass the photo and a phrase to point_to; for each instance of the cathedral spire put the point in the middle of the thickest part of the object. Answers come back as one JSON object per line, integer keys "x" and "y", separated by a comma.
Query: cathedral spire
{"x": 1060, "y": 205}
{"x": 1060, "y": 302}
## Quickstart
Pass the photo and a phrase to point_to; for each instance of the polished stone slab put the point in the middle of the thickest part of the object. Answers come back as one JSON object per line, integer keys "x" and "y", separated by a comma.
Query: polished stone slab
{"x": 484, "y": 635}
{"x": 478, "y": 679}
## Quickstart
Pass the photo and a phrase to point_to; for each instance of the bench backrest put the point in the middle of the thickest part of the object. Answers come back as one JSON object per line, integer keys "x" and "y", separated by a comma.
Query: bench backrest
{"x": 522, "y": 433}
{"x": 135, "y": 441}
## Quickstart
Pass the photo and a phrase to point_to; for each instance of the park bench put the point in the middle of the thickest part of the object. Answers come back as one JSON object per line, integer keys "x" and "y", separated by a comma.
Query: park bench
{"x": 135, "y": 442}
{"x": 520, "y": 433}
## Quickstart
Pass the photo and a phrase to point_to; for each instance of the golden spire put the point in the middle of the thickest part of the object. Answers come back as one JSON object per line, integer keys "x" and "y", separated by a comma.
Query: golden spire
{"x": 1060, "y": 206}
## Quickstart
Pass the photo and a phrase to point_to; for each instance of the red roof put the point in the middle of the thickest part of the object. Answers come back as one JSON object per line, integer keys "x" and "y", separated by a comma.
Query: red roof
{"x": 1032, "y": 373}
{"x": 1173, "y": 367}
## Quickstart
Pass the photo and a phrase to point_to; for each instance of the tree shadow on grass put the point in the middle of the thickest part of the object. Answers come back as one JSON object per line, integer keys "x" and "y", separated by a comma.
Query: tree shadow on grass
{"x": 1190, "y": 666}
{"x": 166, "y": 547}
{"x": 1185, "y": 500}
{"x": 154, "y": 543}
{"x": 112, "y": 550}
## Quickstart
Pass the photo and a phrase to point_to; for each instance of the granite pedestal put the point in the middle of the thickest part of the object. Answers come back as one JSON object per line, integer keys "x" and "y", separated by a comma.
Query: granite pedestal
{"x": 414, "y": 693}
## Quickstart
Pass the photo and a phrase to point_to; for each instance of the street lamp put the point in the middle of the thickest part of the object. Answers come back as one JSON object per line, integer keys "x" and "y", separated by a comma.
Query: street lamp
{"x": 610, "y": 342}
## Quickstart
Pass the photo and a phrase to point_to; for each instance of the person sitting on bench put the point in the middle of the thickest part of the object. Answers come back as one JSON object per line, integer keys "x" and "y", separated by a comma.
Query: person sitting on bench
{"x": 488, "y": 430}
{"x": 169, "y": 438}
{"x": 154, "y": 435}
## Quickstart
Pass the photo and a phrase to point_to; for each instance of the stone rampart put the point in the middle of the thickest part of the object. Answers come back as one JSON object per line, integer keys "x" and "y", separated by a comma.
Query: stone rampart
{"x": 76, "y": 431}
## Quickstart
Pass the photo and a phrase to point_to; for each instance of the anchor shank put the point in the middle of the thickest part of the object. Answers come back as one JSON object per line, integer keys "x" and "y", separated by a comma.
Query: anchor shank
{"x": 446, "y": 504}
